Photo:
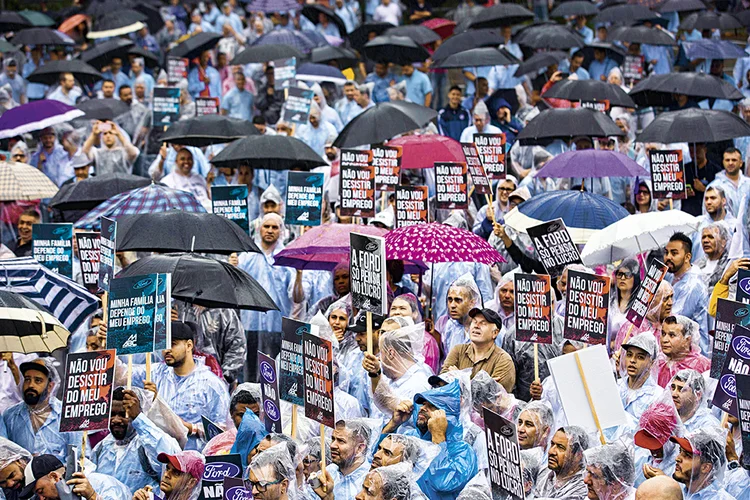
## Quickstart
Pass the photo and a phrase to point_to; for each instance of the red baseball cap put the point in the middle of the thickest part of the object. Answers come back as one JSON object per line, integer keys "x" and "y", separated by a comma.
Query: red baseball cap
{"x": 685, "y": 444}
{"x": 190, "y": 462}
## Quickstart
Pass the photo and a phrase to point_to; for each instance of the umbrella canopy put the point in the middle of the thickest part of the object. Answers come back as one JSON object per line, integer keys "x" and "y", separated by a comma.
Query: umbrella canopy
{"x": 265, "y": 53}
{"x": 361, "y": 35}
{"x": 344, "y": 58}
{"x": 34, "y": 116}
{"x": 97, "y": 8}
{"x": 177, "y": 231}
{"x": 204, "y": 281}
{"x": 468, "y": 40}
{"x": 7, "y": 47}
{"x": 49, "y": 73}
{"x": 422, "y": 151}
{"x": 613, "y": 52}
{"x": 102, "y": 54}
{"x": 420, "y": 34}
{"x": 293, "y": 39}
{"x": 148, "y": 199}
{"x": 41, "y": 36}
{"x": 196, "y": 45}
{"x": 567, "y": 124}
{"x": 311, "y": 72}
{"x": 642, "y": 35}
{"x": 625, "y": 14}
{"x": 153, "y": 20}
{"x": 682, "y": 6}
{"x": 584, "y": 213}
{"x": 709, "y": 20}
{"x": 540, "y": 60}
{"x": 117, "y": 23}
{"x": 152, "y": 60}
{"x": 318, "y": 39}
{"x": 590, "y": 163}
{"x": 590, "y": 90}
{"x": 443, "y": 27}
{"x": 313, "y": 11}
{"x": 550, "y": 37}
{"x": 436, "y": 242}
{"x": 19, "y": 181}
{"x": 88, "y": 193}
{"x": 395, "y": 49}
{"x": 103, "y": 109}
{"x": 27, "y": 327}
{"x": 270, "y": 6}
{"x": 636, "y": 234}
{"x": 13, "y": 21}
{"x": 72, "y": 22}
{"x": 205, "y": 130}
{"x": 504, "y": 14}
{"x": 743, "y": 17}
{"x": 382, "y": 122}
{"x": 274, "y": 152}
{"x": 707, "y": 48}
{"x": 657, "y": 90}
{"x": 694, "y": 125}
{"x": 575, "y": 8}
{"x": 483, "y": 56}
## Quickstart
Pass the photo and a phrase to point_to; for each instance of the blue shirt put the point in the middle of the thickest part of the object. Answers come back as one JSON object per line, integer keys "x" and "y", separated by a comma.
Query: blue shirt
{"x": 380, "y": 91}
{"x": 587, "y": 34}
{"x": 17, "y": 85}
{"x": 233, "y": 19}
{"x": 598, "y": 69}
{"x": 736, "y": 194}
{"x": 691, "y": 300}
{"x": 347, "y": 109}
{"x": 69, "y": 99}
{"x": 56, "y": 165}
{"x": 277, "y": 281}
{"x": 663, "y": 56}
{"x": 238, "y": 103}
{"x": 34, "y": 90}
{"x": 316, "y": 137}
{"x": 196, "y": 86}
{"x": 330, "y": 30}
{"x": 48, "y": 439}
{"x": 120, "y": 79}
{"x": 148, "y": 80}
{"x": 417, "y": 87}
{"x": 483, "y": 71}
{"x": 636, "y": 401}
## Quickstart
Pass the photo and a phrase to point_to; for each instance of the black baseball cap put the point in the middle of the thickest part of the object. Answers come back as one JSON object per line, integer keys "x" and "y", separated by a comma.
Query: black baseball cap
{"x": 360, "y": 323}
{"x": 37, "y": 365}
{"x": 489, "y": 315}
{"x": 182, "y": 331}
{"x": 36, "y": 469}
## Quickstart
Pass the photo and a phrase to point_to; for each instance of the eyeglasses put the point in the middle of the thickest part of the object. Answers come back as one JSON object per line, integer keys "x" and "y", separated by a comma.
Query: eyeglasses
{"x": 309, "y": 461}
{"x": 261, "y": 486}
{"x": 623, "y": 275}
{"x": 643, "y": 192}
{"x": 20, "y": 156}
{"x": 507, "y": 190}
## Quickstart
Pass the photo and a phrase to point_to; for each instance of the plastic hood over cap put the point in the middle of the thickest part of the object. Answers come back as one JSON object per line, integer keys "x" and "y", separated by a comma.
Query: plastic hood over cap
{"x": 610, "y": 469}
{"x": 10, "y": 452}
{"x": 275, "y": 464}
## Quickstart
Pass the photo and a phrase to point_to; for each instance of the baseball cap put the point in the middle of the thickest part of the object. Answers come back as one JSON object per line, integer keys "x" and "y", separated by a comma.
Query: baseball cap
{"x": 188, "y": 462}
{"x": 182, "y": 331}
{"x": 36, "y": 469}
{"x": 685, "y": 444}
{"x": 360, "y": 323}
{"x": 489, "y": 315}
{"x": 645, "y": 341}
{"x": 644, "y": 439}
{"x": 37, "y": 365}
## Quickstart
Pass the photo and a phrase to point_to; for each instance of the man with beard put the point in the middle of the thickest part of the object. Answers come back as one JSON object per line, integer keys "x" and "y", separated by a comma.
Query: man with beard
{"x": 272, "y": 474}
{"x": 715, "y": 208}
{"x": 395, "y": 449}
{"x": 181, "y": 478}
{"x": 129, "y": 452}
{"x": 564, "y": 475}
{"x": 34, "y": 423}
{"x": 45, "y": 478}
{"x": 688, "y": 392}
{"x": 700, "y": 464}
{"x": 116, "y": 154}
{"x": 133, "y": 121}
{"x": 331, "y": 151}
{"x": 349, "y": 450}
{"x": 609, "y": 472}
{"x": 13, "y": 461}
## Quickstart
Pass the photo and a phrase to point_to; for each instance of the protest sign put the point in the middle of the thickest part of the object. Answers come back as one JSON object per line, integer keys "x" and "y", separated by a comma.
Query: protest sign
{"x": 451, "y": 186}
{"x": 304, "y": 198}
{"x": 503, "y": 457}
{"x": 533, "y": 302}
{"x": 130, "y": 314}
{"x": 107, "y": 239}
{"x": 412, "y": 206}
{"x": 297, "y": 105}
{"x": 291, "y": 365}
{"x": 491, "y": 149}
{"x": 163, "y": 315}
{"x": 586, "y": 307}
{"x": 476, "y": 170}
{"x": 269, "y": 388}
{"x": 632, "y": 68}
{"x": 387, "y": 163}
{"x": 231, "y": 202}
{"x": 217, "y": 469}
{"x": 554, "y": 246}
{"x": 284, "y": 72}
{"x": 206, "y": 106}
{"x": 210, "y": 429}
{"x": 737, "y": 361}
{"x": 367, "y": 274}
{"x": 317, "y": 355}
{"x": 52, "y": 247}
{"x": 728, "y": 314}
{"x": 87, "y": 391}
{"x": 357, "y": 184}
{"x": 234, "y": 489}
{"x": 165, "y": 106}
{"x": 601, "y": 106}
{"x": 667, "y": 174}
{"x": 87, "y": 245}
{"x": 743, "y": 286}
{"x": 642, "y": 299}
{"x": 177, "y": 69}
{"x": 743, "y": 404}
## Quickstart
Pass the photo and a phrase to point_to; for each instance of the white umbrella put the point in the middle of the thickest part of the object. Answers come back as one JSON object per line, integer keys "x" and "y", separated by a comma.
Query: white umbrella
{"x": 636, "y": 234}
{"x": 19, "y": 181}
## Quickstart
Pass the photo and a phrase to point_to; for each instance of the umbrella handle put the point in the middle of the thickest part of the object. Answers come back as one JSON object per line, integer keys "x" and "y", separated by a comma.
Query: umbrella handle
{"x": 44, "y": 325}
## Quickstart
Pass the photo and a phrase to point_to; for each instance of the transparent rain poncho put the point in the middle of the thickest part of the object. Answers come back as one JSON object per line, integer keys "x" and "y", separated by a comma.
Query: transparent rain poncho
{"x": 703, "y": 447}
{"x": 486, "y": 391}
{"x": 398, "y": 482}
{"x": 399, "y": 351}
{"x": 275, "y": 465}
{"x": 539, "y": 415}
{"x": 610, "y": 471}
{"x": 187, "y": 487}
{"x": 477, "y": 489}
{"x": 646, "y": 342}
{"x": 532, "y": 462}
{"x": 417, "y": 452}
{"x": 688, "y": 391}
{"x": 10, "y": 452}
{"x": 366, "y": 430}
{"x": 577, "y": 441}
{"x": 660, "y": 308}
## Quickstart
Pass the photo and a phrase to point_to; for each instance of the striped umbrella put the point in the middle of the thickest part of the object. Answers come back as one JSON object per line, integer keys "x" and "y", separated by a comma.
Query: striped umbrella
{"x": 150, "y": 199}
{"x": 19, "y": 181}
{"x": 27, "y": 327}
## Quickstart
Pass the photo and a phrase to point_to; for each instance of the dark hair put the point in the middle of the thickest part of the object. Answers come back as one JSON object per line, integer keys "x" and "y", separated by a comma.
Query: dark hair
{"x": 242, "y": 397}
{"x": 108, "y": 80}
{"x": 32, "y": 212}
{"x": 687, "y": 243}
{"x": 455, "y": 87}
{"x": 259, "y": 120}
{"x": 123, "y": 86}
{"x": 732, "y": 150}
{"x": 118, "y": 394}
{"x": 396, "y": 269}
{"x": 577, "y": 54}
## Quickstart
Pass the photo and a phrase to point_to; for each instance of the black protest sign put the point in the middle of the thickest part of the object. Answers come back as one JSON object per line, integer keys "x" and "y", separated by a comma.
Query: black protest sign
{"x": 87, "y": 245}
{"x": 412, "y": 205}
{"x": 177, "y": 69}
{"x": 586, "y": 307}
{"x": 218, "y": 468}
{"x": 231, "y": 202}
{"x": 318, "y": 358}
{"x": 210, "y": 429}
{"x": 131, "y": 314}
{"x": 87, "y": 391}
{"x": 451, "y": 184}
{"x": 107, "y": 239}
{"x": 743, "y": 406}
{"x": 632, "y": 68}
{"x": 297, "y": 105}
{"x": 533, "y": 303}
{"x": 284, "y": 72}
{"x": 269, "y": 388}
{"x": 367, "y": 274}
{"x": 642, "y": 299}
{"x": 387, "y": 163}
{"x": 357, "y": 184}
{"x": 234, "y": 489}
{"x": 165, "y": 108}
{"x": 491, "y": 148}
{"x": 554, "y": 246}
{"x": 476, "y": 170}
{"x": 52, "y": 247}
{"x": 206, "y": 106}
{"x": 737, "y": 361}
{"x": 291, "y": 364}
{"x": 743, "y": 286}
{"x": 503, "y": 456}
{"x": 304, "y": 198}
{"x": 728, "y": 314}
{"x": 667, "y": 174}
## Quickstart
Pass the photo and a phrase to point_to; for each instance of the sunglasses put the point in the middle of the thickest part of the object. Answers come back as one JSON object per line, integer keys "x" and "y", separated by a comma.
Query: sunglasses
{"x": 623, "y": 275}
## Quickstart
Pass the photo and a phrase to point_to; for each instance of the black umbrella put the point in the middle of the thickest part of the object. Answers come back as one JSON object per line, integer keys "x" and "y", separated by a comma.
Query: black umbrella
{"x": 205, "y": 130}
{"x": 468, "y": 40}
{"x": 151, "y": 59}
{"x": 657, "y": 90}
{"x": 88, "y": 193}
{"x": 12, "y": 21}
{"x": 590, "y": 90}
{"x": 575, "y": 8}
{"x": 154, "y": 21}
{"x": 101, "y": 55}
{"x": 625, "y": 14}
{"x": 41, "y": 36}
{"x": 21, "y": 323}
{"x": 566, "y": 124}
{"x": 483, "y": 56}
{"x": 49, "y": 74}
{"x": 312, "y": 11}
{"x": 265, "y": 53}
{"x": 550, "y": 37}
{"x": 117, "y": 23}
{"x": 709, "y": 20}
{"x": 682, "y": 6}
{"x": 395, "y": 49}
{"x": 384, "y": 121}
{"x": 7, "y": 47}
{"x": 538, "y": 61}
{"x": 196, "y": 45}
{"x": 694, "y": 125}
{"x": 103, "y": 109}
{"x": 344, "y": 58}
{"x": 504, "y": 14}
{"x": 274, "y": 152}
{"x": 98, "y": 8}
{"x": 420, "y": 34}
{"x": 611, "y": 3}
{"x": 613, "y": 52}
{"x": 744, "y": 17}
{"x": 178, "y": 231}
{"x": 204, "y": 281}
{"x": 361, "y": 35}
{"x": 642, "y": 35}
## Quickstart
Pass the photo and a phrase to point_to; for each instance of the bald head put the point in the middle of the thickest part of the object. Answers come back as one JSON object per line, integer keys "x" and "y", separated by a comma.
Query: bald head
{"x": 659, "y": 488}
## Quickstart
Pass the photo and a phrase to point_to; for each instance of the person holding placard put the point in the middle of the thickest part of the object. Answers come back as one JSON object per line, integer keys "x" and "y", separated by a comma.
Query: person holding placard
{"x": 626, "y": 278}
{"x": 660, "y": 309}
{"x": 349, "y": 451}
{"x": 688, "y": 390}
{"x": 182, "y": 476}
{"x": 563, "y": 477}
{"x": 679, "y": 349}
{"x": 638, "y": 389}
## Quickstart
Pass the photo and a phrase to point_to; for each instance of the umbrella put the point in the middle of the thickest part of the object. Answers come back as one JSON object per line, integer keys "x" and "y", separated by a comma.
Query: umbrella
{"x": 551, "y": 37}
{"x": 19, "y": 181}
{"x": 590, "y": 90}
{"x": 384, "y": 121}
{"x": 344, "y": 58}
{"x": 483, "y": 56}
{"x": 504, "y": 14}
{"x": 318, "y": 39}
{"x": 177, "y": 231}
{"x": 293, "y": 39}
{"x": 708, "y": 48}
{"x": 152, "y": 60}
{"x": 265, "y": 53}
{"x": 117, "y": 23}
{"x": 205, "y": 130}
{"x": 148, "y": 199}
{"x": 103, "y": 109}
{"x": 153, "y": 20}
{"x": 744, "y": 17}
{"x": 575, "y": 8}
{"x": 591, "y": 163}
{"x": 13, "y": 21}
{"x": 694, "y": 125}
{"x": 443, "y": 27}
{"x": 196, "y": 45}
{"x": 361, "y": 35}
{"x": 613, "y": 52}
{"x": 270, "y": 6}
{"x": 642, "y": 35}
{"x": 467, "y": 40}
{"x": 97, "y": 8}
{"x": 7, "y": 47}
{"x": 88, "y": 193}
{"x": 35, "y": 115}
{"x": 682, "y": 6}
{"x": 41, "y": 36}
{"x": 420, "y": 34}
{"x": 102, "y": 54}
{"x": 709, "y": 20}
{"x": 395, "y": 49}
{"x": 657, "y": 90}
{"x": 311, "y": 72}
{"x": 72, "y": 22}
{"x": 538, "y": 61}
{"x": 584, "y": 213}
{"x": 313, "y": 11}
{"x": 422, "y": 151}
{"x": 494, "y": 101}
{"x": 28, "y": 327}
{"x": 205, "y": 281}
{"x": 567, "y": 124}
{"x": 49, "y": 74}
{"x": 625, "y": 14}
{"x": 436, "y": 242}
{"x": 274, "y": 152}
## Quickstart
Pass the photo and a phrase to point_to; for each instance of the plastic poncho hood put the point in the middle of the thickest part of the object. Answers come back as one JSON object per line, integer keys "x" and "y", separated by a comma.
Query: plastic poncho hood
{"x": 250, "y": 433}
{"x": 448, "y": 399}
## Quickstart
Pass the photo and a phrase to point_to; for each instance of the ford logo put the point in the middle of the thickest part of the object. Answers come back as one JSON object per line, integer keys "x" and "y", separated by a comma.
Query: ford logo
{"x": 60, "y": 230}
{"x": 372, "y": 246}
{"x": 728, "y": 385}
{"x": 146, "y": 282}
{"x": 741, "y": 313}
{"x": 744, "y": 285}
{"x": 236, "y": 191}
{"x": 111, "y": 228}
{"x": 268, "y": 372}
{"x": 272, "y": 411}
{"x": 312, "y": 180}
{"x": 217, "y": 471}
{"x": 555, "y": 226}
{"x": 506, "y": 431}
{"x": 742, "y": 346}
{"x": 301, "y": 330}
{"x": 238, "y": 493}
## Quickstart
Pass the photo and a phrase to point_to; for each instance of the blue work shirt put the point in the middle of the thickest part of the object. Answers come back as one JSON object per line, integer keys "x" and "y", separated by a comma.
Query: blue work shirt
{"x": 277, "y": 281}
{"x": 56, "y": 165}
{"x": 663, "y": 56}
{"x": 598, "y": 69}
{"x": 196, "y": 86}
{"x": 238, "y": 103}
{"x": 48, "y": 439}
{"x": 34, "y": 90}
{"x": 380, "y": 91}
{"x": 417, "y": 87}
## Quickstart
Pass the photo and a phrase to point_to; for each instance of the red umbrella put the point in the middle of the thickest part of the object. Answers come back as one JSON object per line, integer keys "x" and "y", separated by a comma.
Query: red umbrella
{"x": 436, "y": 242}
{"x": 422, "y": 151}
{"x": 443, "y": 27}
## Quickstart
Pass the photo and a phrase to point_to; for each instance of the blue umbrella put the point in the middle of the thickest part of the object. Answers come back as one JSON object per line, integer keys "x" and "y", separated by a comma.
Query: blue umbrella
{"x": 584, "y": 214}
{"x": 316, "y": 37}
{"x": 712, "y": 49}
{"x": 311, "y": 72}
{"x": 287, "y": 37}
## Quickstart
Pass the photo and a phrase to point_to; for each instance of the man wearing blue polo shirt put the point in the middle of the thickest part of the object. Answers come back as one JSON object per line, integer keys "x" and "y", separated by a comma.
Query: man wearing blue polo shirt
{"x": 418, "y": 86}
{"x": 238, "y": 102}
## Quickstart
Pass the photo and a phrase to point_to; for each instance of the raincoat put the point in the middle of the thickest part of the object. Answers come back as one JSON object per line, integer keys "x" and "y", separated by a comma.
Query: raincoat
{"x": 443, "y": 275}
{"x": 574, "y": 488}
{"x": 652, "y": 321}
{"x": 611, "y": 471}
{"x": 666, "y": 368}
{"x": 636, "y": 401}
{"x": 454, "y": 332}
{"x": 107, "y": 488}
{"x": 691, "y": 300}
{"x": 327, "y": 112}
{"x": 735, "y": 193}
{"x": 250, "y": 433}
{"x": 48, "y": 439}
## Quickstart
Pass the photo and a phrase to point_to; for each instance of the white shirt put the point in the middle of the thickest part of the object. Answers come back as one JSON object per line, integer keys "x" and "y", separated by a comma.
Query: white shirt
{"x": 390, "y": 13}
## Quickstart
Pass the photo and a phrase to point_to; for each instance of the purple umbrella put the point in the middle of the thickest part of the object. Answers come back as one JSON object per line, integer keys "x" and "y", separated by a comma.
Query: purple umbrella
{"x": 591, "y": 163}
{"x": 286, "y": 37}
{"x": 36, "y": 116}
